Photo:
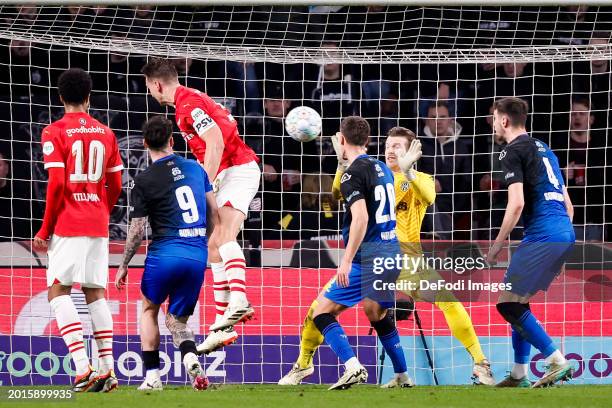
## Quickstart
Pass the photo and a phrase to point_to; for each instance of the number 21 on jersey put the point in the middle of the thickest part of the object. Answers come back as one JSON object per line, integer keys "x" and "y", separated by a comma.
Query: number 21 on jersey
{"x": 383, "y": 195}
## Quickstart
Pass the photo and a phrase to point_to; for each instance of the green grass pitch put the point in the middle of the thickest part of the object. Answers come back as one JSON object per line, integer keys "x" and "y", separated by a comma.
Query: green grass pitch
{"x": 271, "y": 396}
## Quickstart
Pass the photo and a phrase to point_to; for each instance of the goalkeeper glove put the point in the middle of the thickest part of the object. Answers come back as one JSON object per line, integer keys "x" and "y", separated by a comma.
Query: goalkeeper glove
{"x": 406, "y": 160}
{"x": 342, "y": 162}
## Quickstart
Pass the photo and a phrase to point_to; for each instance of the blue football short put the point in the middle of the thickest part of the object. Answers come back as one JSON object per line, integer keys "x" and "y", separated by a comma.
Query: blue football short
{"x": 363, "y": 284}
{"x": 538, "y": 261}
{"x": 173, "y": 278}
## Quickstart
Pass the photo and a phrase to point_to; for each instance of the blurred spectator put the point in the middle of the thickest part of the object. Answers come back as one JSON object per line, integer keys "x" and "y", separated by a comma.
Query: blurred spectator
{"x": 491, "y": 197}
{"x": 16, "y": 206}
{"x": 389, "y": 113}
{"x": 438, "y": 82}
{"x": 283, "y": 159}
{"x": 448, "y": 159}
{"x": 335, "y": 94}
{"x": 27, "y": 69}
{"x": 595, "y": 80}
{"x": 582, "y": 154}
{"x": 317, "y": 217}
{"x": 192, "y": 78}
{"x": 248, "y": 87}
{"x": 574, "y": 25}
{"x": 514, "y": 79}
{"x": 149, "y": 24}
{"x": 5, "y": 201}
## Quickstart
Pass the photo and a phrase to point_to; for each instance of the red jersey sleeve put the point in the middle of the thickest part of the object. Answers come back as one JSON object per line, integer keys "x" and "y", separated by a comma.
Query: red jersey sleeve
{"x": 114, "y": 163}
{"x": 53, "y": 148}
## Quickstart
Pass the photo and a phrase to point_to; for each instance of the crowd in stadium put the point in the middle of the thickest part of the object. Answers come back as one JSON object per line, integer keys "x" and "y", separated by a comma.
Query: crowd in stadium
{"x": 447, "y": 105}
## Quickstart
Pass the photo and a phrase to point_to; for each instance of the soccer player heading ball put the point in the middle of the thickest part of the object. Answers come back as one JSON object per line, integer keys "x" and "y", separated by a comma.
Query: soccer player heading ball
{"x": 211, "y": 133}
{"x": 82, "y": 157}
{"x": 535, "y": 190}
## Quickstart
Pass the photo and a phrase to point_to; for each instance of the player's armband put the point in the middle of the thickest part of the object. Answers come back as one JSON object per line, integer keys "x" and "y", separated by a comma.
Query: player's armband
{"x": 201, "y": 121}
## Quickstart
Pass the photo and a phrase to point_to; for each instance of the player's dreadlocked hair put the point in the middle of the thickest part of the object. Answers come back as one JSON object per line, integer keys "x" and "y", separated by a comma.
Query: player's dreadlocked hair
{"x": 157, "y": 131}
{"x": 160, "y": 68}
{"x": 74, "y": 86}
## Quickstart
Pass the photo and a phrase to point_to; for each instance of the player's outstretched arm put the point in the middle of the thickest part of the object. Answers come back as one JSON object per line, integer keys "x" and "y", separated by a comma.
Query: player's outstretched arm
{"x": 568, "y": 204}
{"x": 113, "y": 189}
{"x": 214, "y": 150}
{"x": 336, "y": 193}
{"x": 212, "y": 213}
{"x": 342, "y": 165}
{"x": 357, "y": 231}
{"x": 132, "y": 243}
{"x": 516, "y": 202}
{"x": 55, "y": 194}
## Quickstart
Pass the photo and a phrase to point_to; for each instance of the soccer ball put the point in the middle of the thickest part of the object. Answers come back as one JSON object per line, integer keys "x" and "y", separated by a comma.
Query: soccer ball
{"x": 303, "y": 124}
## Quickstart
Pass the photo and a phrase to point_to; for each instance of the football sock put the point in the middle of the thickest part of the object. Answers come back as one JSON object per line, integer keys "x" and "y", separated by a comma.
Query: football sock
{"x": 186, "y": 347}
{"x": 150, "y": 360}
{"x": 521, "y": 347}
{"x": 102, "y": 323}
{"x": 70, "y": 328}
{"x": 519, "y": 371}
{"x": 460, "y": 325}
{"x": 334, "y": 336}
{"x": 389, "y": 337}
{"x": 352, "y": 364}
{"x": 221, "y": 289}
{"x": 233, "y": 260}
{"x": 310, "y": 339}
{"x": 556, "y": 357}
{"x": 525, "y": 323}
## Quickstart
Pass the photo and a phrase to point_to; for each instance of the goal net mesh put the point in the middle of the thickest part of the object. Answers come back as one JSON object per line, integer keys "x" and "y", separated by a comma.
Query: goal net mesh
{"x": 434, "y": 70}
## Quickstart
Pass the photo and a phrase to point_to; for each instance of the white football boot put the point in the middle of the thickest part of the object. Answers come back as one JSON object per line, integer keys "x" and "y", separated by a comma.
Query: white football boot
{"x": 151, "y": 385}
{"x": 399, "y": 381}
{"x": 350, "y": 377}
{"x": 296, "y": 375}
{"x": 482, "y": 374}
{"x": 218, "y": 339}
{"x": 233, "y": 315}
{"x": 199, "y": 382}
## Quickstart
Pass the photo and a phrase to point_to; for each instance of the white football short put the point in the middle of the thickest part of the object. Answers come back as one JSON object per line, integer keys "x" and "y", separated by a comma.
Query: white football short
{"x": 237, "y": 185}
{"x": 81, "y": 260}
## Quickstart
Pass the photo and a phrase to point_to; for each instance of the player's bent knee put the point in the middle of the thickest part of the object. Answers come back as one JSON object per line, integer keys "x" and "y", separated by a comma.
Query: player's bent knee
{"x": 512, "y": 312}
{"x": 384, "y": 326}
{"x": 323, "y": 321}
{"x": 177, "y": 325}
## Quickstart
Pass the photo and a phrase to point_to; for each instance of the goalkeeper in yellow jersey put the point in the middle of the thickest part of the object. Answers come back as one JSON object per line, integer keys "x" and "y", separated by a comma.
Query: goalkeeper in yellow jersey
{"x": 414, "y": 192}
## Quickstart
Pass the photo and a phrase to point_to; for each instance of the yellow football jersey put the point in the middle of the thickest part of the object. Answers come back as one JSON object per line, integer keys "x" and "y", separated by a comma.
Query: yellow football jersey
{"x": 411, "y": 202}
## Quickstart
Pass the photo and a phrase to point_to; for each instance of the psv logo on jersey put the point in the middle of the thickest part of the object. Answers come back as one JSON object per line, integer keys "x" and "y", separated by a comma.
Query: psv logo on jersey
{"x": 201, "y": 121}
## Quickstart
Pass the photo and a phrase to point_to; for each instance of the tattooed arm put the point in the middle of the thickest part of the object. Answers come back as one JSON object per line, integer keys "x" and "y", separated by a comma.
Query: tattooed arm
{"x": 132, "y": 243}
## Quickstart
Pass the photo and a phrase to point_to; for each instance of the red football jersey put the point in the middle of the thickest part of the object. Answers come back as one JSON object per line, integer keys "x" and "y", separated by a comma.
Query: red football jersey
{"x": 88, "y": 150}
{"x": 197, "y": 112}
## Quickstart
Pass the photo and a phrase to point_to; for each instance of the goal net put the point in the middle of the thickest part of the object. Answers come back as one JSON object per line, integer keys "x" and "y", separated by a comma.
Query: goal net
{"x": 434, "y": 70}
